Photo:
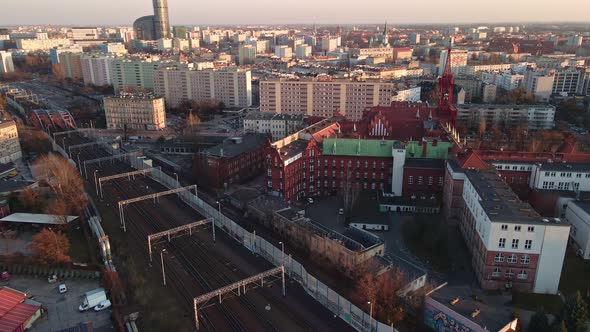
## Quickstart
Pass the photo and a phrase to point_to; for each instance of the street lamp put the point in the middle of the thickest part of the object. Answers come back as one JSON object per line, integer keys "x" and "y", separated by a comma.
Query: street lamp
{"x": 218, "y": 216}
{"x": 370, "y": 314}
{"x": 176, "y": 174}
{"x": 162, "y": 262}
{"x": 96, "y": 182}
{"x": 282, "y": 253}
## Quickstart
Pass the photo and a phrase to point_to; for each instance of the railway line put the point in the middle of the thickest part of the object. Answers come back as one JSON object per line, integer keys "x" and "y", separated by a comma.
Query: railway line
{"x": 193, "y": 267}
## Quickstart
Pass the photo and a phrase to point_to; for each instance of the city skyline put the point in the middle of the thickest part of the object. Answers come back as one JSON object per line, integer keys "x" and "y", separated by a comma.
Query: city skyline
{"x": 265, "y": 12}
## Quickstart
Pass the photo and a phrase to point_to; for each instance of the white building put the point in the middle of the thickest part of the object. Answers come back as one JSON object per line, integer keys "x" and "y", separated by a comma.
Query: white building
{"x": 283, "y": 51}
{"x": 535, "y": 117}
{"x": 512, "y": 246}
{"x": 9, "y": 145}
{"x": 164, "y": 44}
{"x": 55, "y": 51}
{"x": 41, "y": 44}
{"x": 84, "y": 33}
{"x": 330, "y": 44}
{"x": 568, "y": 81}
{"x": 135, "y": 111}
{"x": 303, "y": 51}
{"x": 577, "y": 215}
{"x": 6, "y": 64}
{"x": 278, "y": 125}
{"x": 230, "y": 85}
{"x": 115, "y": 48}
{"x": 97, "y": 69}
{"x": 246, "y": 54}
{"x": 539, "y": 84}
{"x": 561, "y": 176}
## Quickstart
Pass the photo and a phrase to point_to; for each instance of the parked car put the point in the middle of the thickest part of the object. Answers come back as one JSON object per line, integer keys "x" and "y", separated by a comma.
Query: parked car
{"x": 52, "y": 278}
{"x": 62, "y": 288}
{"x": 103, "y": 305}
{"x": 310, "y": 200}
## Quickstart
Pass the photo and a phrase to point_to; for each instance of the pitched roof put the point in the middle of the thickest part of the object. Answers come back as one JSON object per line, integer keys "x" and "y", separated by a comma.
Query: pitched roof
{"x": 358, "y": 147}
{"x": 14, "y": 313}
{"x": 433, "y": 150}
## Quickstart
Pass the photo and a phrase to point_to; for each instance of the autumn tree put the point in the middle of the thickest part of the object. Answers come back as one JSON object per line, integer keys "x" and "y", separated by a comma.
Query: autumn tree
{"x": 482, "y": 126}
{"x": 58, "y": 72}
{"x": 576, "y": 313}
{"x": 50, "y": 247}
{"x": 381, "y": 290}
{"x": 64, "y": 180}
{"x": 29, "y": 199}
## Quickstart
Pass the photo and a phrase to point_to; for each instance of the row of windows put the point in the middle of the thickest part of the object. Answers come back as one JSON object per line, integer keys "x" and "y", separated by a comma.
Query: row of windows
{"x": 517, "y": 228}
{"x": 527, "y": 243}
{"x": 523, "y": 275}
{"x": 512, "y": 258}
{"x": 421, "y": 180}
{"x": 567, "y": 174}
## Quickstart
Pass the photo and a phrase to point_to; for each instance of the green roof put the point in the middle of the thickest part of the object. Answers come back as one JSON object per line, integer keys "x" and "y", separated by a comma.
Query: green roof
{"x": 357, "y": 147}
{"x": 382, "y": 148}
{"x": 440, "y": 151}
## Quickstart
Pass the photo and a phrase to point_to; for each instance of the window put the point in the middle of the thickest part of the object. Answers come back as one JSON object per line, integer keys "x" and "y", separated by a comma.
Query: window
{"x": 269, "y": 172}
{"x": 509, "y": 274}
{"x": 512, "y": 259}
{"x": 517, "y": 228}
{"x": 410, "y": 179}
{"x": 420, "y": 180}
{"x": 504, "y": 227}
{"x": 499, "y": 258}
{"x": 525, "y": 259}
{"x": 522, "y": 275}
{"x": 497, "y": 272}
{"x": 531, "y": 229}
{"x": 502, "y": 243}
{"x": 528, "y": 244}
{"x": 514, "y": 243}
{"x": 430, "y": 180}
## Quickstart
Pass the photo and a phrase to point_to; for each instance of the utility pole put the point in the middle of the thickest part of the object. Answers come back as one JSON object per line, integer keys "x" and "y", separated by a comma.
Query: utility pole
{"x": 370, "y": 314}
{"x": 162, "y": 261}
{"x": 282, "y": 253}
{"x": 95, "y": 182}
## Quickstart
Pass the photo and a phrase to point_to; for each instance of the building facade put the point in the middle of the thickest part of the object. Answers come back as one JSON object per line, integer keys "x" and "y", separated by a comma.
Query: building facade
{"x": 41, "y": 44}
{"x": 10, "y": 150}
{"x": 231, "y": 85}
{"x": 135, "y": 111}
{"x": 6, "y": 64}
{"x": 277, "y": 125}
{"x": 534, "y": 117}
{"x": 316, "y": 97}
{"x": 577, "y": 215}
{"x": 512, "y": 246}
{"x": 71, "y": 63}
{"x": 97, "y": 69}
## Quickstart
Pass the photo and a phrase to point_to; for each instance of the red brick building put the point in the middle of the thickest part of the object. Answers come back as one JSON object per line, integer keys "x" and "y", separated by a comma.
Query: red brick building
{"x": 235, "y": 160}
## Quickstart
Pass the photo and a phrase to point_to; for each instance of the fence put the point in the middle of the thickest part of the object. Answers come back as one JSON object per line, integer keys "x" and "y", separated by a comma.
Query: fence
{"x": 337, "y": 304}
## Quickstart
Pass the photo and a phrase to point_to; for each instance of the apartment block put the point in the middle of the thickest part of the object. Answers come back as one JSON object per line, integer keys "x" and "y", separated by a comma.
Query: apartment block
{"x": 376, "y": 52}
{"x": 283, "y": 51}
{"x": 97, "y": 69}
{"x": 247, "y": 54}
{"x": 71, "y": 64}
{"x": 231, "y": 85}
{"x": 277, "y": 125}
{"x": 458, "y": 58}
{"x": 9, "y": 145}
{"x": 6, "y": 64}
{"x": 55, "y": 52}
{"x": 138, "y": 72}
{"x": 507, "y": 116}
{"x": 41, "y": 44}
{"x": 512, "y": 246}
{"x": 317, "y": 97}
{"x": 84, "y": 33}
{"x": 539, "y": 83}
{"x": 577, "y": 215}
{"x": 135, "y": 111}
{"x": 303, "y": 51}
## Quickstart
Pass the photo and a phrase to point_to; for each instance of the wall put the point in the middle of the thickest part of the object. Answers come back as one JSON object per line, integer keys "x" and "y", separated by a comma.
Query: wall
{"x": 580, "y": 222}
{"x": 440, "y": 318}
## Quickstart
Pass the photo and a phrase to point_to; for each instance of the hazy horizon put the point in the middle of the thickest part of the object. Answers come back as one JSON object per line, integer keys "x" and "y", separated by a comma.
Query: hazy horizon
{"x": 232, "y": 12}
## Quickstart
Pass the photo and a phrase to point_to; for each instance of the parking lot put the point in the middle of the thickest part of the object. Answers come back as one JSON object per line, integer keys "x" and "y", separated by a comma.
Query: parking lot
{"x": 62, "y": 309}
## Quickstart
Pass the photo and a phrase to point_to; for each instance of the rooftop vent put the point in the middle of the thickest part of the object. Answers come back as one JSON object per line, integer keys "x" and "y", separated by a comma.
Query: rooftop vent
{"x": 455, "y": 301}
{"x": 475, "y": 313}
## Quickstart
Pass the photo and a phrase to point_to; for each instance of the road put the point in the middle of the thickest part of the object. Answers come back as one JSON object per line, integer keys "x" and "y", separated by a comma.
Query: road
{"x": 196, "y": 265}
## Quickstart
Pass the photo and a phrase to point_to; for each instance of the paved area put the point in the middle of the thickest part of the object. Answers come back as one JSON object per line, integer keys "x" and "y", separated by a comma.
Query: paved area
{"x": 20, "y": 243}
{"x": 62, "y": 309}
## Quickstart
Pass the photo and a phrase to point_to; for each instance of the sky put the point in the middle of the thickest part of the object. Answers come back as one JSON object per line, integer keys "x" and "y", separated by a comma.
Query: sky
{"x": 195, "y": 12}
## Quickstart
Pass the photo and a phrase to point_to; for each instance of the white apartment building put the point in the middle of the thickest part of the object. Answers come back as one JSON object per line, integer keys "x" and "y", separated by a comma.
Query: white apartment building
{"x": 570, "y": 81}
{"x": 135, "y": 111}
{"x": 164, "y": 44}
{"x": 511, "y": 245}
{"x": 283, "y": 51}
{"x": 330, "y": 44}
{"x": 277, "y": 125}
{"x": 9, "y": 145}
{"x": 246, "y": 54}
{"x": 97, "y": 69}
{"x": 535, "y": 117}
{"x": 6, "y": 64}
{"x": 410, "y": 94}
{"x": 458, "y": 58}
{"x": 506, "y": 80}
{"x": 561, "y": 176}
{"x": 376, "y": 52}
{"x": 137, "y": 72}
{"x": 55, "y": 51}
{"x": 539, "y": 84}
{"x": 114, "y": 48}
{"x": 231, "y": 85}
{"x": 84, "y": 33}
{"x": 577, "y": 214}
{"x": 317, "y": 97}
{"x": 41, "y": 44}
{"x": 303, "y": 51}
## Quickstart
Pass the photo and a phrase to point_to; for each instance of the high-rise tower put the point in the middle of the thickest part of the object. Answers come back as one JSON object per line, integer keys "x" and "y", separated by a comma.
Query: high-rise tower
{"x": 161, "y": 21}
